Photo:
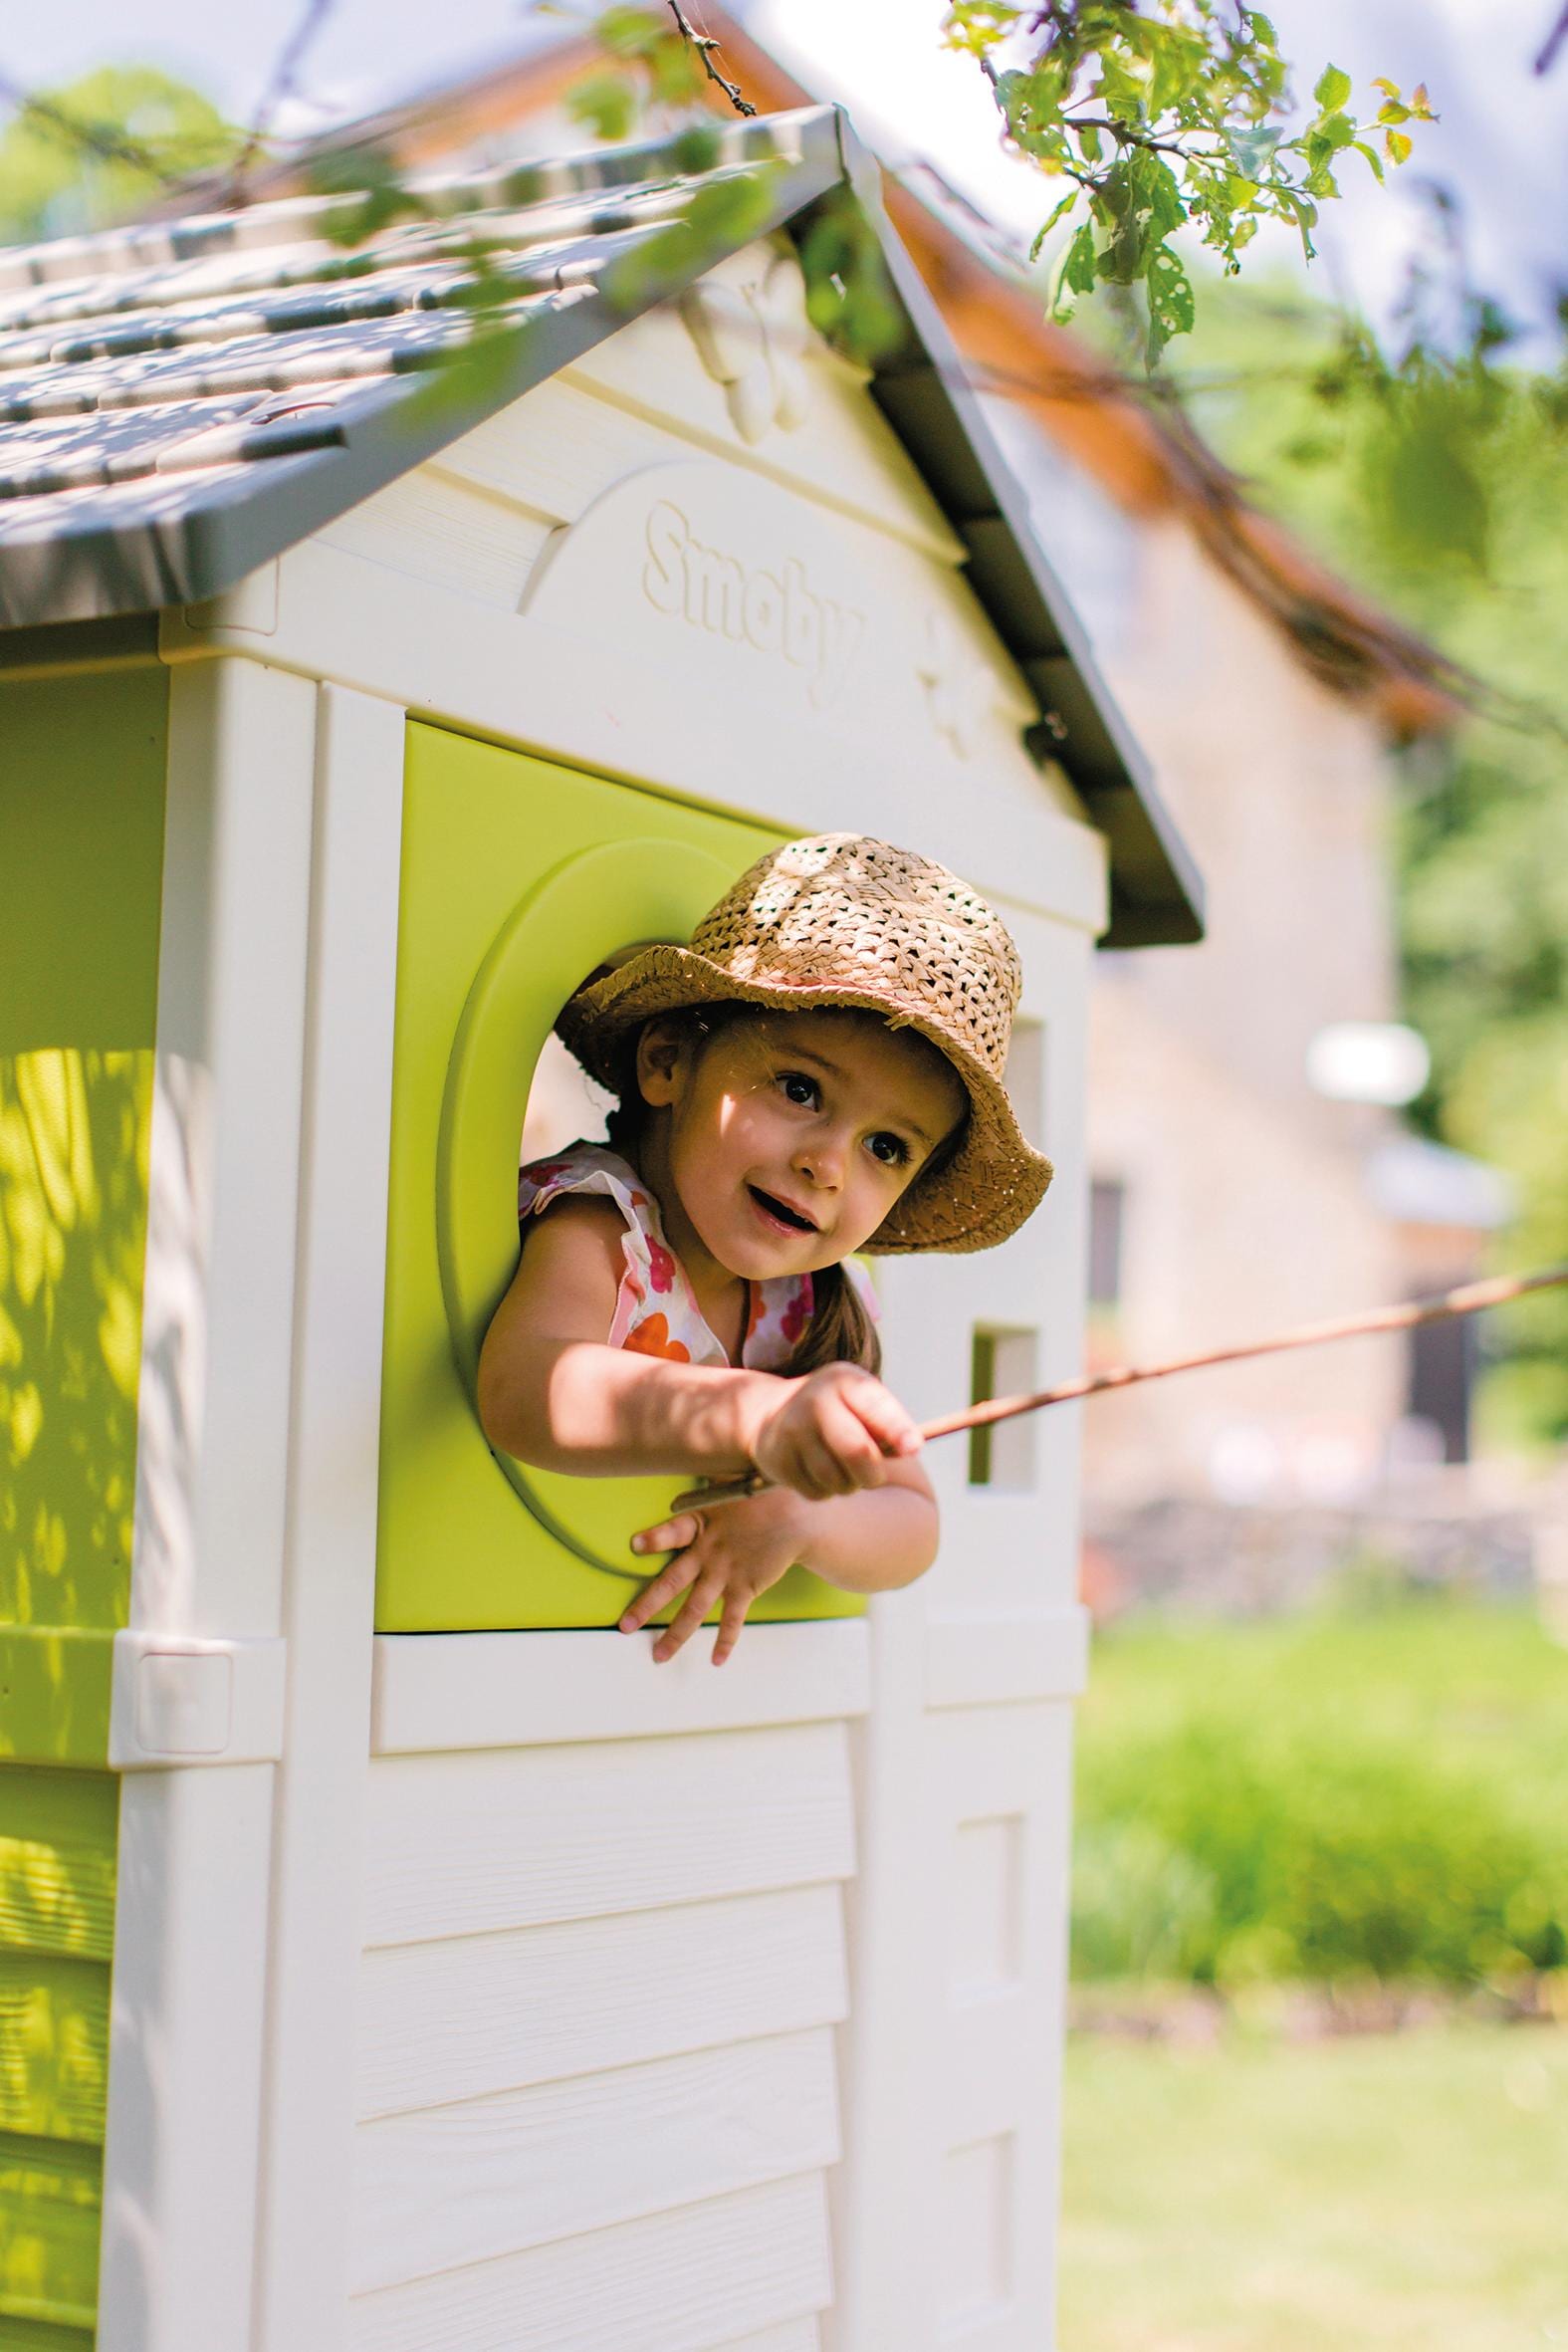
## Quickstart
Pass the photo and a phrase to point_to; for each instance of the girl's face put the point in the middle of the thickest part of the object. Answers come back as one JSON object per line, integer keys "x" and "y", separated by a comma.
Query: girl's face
{"x": 792, "y": 1135}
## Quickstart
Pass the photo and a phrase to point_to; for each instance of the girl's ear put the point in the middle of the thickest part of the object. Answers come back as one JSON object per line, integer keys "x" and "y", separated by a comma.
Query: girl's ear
{"x": 662, "y": 1049}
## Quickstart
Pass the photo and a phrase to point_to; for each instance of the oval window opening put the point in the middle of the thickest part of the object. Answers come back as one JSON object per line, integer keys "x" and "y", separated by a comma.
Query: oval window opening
{"x": 512, "y": 1094}
{"x": 565, "y": 1105}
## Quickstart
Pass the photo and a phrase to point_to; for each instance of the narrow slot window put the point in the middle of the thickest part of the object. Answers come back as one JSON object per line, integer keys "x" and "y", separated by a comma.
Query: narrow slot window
{"x": 1002, "y": 1363}
{"x": 1107, "y": 1216}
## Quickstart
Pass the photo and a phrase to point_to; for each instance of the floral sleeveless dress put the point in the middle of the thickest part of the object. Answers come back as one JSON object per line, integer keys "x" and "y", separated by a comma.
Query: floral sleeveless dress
{"x": 656, "y": 1310}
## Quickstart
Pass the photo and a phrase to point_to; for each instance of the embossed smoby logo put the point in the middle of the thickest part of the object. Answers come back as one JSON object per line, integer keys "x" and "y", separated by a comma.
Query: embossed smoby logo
{"x": 775, "y": 612}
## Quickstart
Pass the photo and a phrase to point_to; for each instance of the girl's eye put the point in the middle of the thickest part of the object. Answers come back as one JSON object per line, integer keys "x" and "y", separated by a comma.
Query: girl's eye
{"x": 890, "y": 1149}
{"x": 789, "y": 1080}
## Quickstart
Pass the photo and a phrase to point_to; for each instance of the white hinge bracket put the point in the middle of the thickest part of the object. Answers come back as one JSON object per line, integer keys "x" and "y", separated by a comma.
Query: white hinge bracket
{"x": 180, "y": 1700}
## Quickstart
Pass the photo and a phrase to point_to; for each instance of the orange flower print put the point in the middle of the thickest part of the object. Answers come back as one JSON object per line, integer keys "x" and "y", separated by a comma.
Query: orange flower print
{"x": 756, "y": 1311}
{"x": 653, "y": 1338}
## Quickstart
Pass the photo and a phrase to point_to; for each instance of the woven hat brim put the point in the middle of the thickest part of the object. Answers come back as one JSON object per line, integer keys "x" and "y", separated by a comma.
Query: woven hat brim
{"x": 992, "y": 1185}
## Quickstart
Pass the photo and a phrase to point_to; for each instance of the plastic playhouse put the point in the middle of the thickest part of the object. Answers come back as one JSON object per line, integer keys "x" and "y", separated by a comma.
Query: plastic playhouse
{"x": 390, "y": 1956}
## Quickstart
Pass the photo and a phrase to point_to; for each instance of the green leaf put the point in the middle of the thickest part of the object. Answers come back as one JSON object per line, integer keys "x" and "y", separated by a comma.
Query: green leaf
{"x": 1170, "y": 304}
{"x": 1078, "y": 269}
{"x": 1262, "y": 26}
{"x": 1305, "y": 215}
{"x": 1057, "y": 213}
{"x": 1372, "y": 155}
{"x": 1333, "y": 87}
{"x": 606, "y": 102}
{"x": 1398, "y": 144}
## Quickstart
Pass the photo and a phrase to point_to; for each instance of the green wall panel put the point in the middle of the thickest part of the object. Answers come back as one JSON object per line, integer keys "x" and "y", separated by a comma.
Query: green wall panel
{"x": 82, "y": 822}
{"x": 518, "y": 877}
{"x": 35, "y": 2335}
{"x": 82, "y": 785}
{"x": 51, "y": 2197}
{"x": 57, "y": 1834}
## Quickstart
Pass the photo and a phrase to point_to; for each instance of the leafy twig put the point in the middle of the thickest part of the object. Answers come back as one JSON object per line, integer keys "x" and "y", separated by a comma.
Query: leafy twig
{"x": 705, "y": 48}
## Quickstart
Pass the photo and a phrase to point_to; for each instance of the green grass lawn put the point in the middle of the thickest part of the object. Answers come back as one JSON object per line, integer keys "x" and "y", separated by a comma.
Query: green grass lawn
{"x": 1357, "y": 1790}
{"x": 1394, "y": 2190}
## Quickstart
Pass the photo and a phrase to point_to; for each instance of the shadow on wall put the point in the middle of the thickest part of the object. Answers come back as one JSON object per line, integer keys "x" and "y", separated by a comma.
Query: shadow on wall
{"x": 73, "y": 1145}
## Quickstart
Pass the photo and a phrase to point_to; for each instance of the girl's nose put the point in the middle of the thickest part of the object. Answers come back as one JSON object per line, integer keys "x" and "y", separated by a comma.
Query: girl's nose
{"x": 822, "y": 1161}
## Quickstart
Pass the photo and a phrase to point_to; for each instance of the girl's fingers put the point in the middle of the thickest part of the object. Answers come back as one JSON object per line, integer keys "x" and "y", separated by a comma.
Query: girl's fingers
{"x": 689, "y": 1615}
{"x": 735, "y": 1605}
{"x": 672, "y": 1535}
{"x": 855, "y": 1450}
{"x": 655, "y": 1596}
{"x": 877, "y": 1409}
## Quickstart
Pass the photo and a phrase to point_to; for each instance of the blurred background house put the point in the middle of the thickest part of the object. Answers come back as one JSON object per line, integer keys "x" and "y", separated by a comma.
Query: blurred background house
{"x": 1249, "y": 1166}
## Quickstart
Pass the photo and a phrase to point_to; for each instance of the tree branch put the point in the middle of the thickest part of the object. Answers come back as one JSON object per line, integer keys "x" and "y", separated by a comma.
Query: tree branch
{"x": 282, "y": 86}
{"x": 1553, "y": 41}
{"x": 705, "y": 48}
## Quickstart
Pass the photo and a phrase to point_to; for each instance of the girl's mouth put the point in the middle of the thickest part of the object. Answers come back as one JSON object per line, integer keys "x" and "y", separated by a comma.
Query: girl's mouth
{"x": 779, "y": 1212}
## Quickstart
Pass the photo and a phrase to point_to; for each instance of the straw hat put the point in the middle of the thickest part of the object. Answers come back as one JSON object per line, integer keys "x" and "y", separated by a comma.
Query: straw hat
{"x": 843, "y": 919}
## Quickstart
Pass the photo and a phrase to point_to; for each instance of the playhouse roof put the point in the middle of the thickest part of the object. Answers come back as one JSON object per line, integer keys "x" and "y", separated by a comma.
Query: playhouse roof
{"x": 183, "y": 399}
{"x": 1151, "y": 464}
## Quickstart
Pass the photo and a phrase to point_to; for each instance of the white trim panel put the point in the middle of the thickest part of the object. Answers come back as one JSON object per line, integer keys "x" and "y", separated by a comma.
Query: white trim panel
{"x": 989, "y": 1660}
{"x": 513, "y": 1690}
{"x": 329, "y": 1581}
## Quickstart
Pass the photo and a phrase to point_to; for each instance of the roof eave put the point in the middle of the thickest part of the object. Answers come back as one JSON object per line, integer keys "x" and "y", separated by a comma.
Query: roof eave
{"x": 922, "y": 389}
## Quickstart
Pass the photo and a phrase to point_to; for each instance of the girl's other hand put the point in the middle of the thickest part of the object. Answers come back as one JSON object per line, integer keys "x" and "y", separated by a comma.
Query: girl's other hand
{"x": 726, "y": 1558}
{"x": 833, "y": 1433}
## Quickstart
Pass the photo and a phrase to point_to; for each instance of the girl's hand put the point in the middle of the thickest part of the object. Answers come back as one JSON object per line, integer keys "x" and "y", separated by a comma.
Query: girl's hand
{"x": 834, "y": 1432}
{"x": 727, "y": 1556}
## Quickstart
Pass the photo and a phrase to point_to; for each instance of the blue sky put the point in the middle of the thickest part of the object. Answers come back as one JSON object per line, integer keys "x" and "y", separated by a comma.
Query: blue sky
{"x": 1501, "y": 141}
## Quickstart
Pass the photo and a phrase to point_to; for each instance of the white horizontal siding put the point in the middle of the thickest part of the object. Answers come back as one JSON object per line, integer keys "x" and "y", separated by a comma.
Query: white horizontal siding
{"x": 460, "y": 2018}
{"x": 456, "y": 2184}
{"x": 479, "y": 544}
{"x": 460, "y": 1845}
{"x": 680, "y": 2281}
{"x": 796, "y": 2335}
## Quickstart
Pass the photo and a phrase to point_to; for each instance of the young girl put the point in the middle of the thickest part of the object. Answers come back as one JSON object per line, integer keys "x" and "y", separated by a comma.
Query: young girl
{"x": 818, "y": 1074}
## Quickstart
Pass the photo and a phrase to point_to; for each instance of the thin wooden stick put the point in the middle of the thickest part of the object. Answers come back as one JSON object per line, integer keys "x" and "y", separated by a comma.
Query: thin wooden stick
{"x": 1469, "y": 1298}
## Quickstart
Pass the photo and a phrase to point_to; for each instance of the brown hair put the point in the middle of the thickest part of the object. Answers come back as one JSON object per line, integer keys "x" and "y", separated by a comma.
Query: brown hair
{"x": 840, "y": 1330}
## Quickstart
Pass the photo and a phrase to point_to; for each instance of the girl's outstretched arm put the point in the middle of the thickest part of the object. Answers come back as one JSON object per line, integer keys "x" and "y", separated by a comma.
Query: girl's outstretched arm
{"x": 552, "y": 1392}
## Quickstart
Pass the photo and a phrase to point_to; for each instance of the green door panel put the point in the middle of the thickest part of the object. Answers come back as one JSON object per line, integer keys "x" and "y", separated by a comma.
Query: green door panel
{"x": 518, "y": 878}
